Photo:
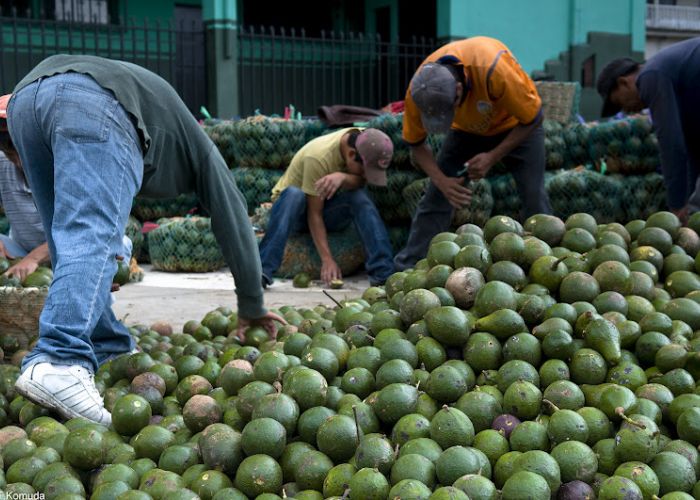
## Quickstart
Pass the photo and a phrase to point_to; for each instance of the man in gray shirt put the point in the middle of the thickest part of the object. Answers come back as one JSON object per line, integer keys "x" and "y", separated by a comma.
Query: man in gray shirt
{"x": 26, "y": 238}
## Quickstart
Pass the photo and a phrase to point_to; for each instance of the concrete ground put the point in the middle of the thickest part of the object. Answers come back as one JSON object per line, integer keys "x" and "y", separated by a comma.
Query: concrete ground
{"x": 179, "y": 297}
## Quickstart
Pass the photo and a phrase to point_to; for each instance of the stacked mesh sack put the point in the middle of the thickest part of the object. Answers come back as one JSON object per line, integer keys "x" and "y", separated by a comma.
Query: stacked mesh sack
{"x": 153, "y": 209}
{"x": 627, "y": 145}
{"x": 133, "y": 231}
{"x": 584, "y": 190}
{"x": 255, "y": 184}
{"x": 221, "y": 134}
{"x": 478, "y": 212}
{"x": 643, "y": 195}
{"x": 269, "y": 142}
{"x": 556, "y": 152}
{"x": 300, "y": 255}
{"x": 392, "y": 125}
{"x": 576, "y": 140}
{"x": 389, "y": 199}
{"x": 185, "y": 244}
{"x": 506, "y": 199}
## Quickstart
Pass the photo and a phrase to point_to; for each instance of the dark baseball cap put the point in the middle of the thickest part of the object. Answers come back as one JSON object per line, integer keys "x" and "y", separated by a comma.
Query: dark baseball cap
{"x": 434, "y": 90}
{"x": 376, "y": 150}
{"x": 607, "y": 81}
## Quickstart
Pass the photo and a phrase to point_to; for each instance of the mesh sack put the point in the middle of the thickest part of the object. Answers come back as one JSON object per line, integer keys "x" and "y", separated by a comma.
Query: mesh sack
{"x": 478, "y": 212}
{"x": 581, "y": 190}
{"x": 413, "y": 193}
{"x": 255, "y": 184}
{"x": 481, "y": 207}
{"x": 398, "y": 235}
{"x": 221, "y": 134}
{"x": 133, "y": 231}
{"x": 556, "y": 155}
{"x": 4, "y": 225}
{"x": 185, "y": 244}
{"x": 506, "y": 199}
{"x": 628, "y": 145}
{"x": 263, "y": 142}
{"x": 643, "y": 195}
{"x": 576, "y": 140}
{"x": 392, "y": 125}
{"x": 300, "y": 254}
{"x": 261, "y": 217}
{"x": 151, "y": 209}
{"x": 19, "y": 312}
{"x": 389, "y": 199}
{"x": 313, "y": 128}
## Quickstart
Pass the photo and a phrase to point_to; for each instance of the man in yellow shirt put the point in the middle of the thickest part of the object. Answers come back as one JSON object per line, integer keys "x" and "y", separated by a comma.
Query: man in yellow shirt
{"x": 475, "y": 91}
{"x": 322, "y": 190}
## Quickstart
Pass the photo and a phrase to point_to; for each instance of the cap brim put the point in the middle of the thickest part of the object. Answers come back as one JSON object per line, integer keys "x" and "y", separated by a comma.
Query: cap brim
{"x": 609, "y": 109}
{"x": 375, "y": 176}
{"x": 437, "y": 124}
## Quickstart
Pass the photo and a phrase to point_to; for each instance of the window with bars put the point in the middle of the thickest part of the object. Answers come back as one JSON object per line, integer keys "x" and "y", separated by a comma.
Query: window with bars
{"x": 76, "y": 11}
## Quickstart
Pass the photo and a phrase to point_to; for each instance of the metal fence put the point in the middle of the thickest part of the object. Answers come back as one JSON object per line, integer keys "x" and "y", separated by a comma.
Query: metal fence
{"x": 279, "y": 67}
{"x": 673, "y": 17}
{"x": 175, "y": 51}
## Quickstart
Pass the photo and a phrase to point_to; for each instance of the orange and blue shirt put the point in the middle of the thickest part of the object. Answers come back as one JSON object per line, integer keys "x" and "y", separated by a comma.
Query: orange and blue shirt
{"x": 499, "y": 93}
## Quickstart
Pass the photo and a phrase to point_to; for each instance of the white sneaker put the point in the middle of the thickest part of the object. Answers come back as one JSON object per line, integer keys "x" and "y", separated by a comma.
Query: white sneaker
{"x": 69, "y": 390}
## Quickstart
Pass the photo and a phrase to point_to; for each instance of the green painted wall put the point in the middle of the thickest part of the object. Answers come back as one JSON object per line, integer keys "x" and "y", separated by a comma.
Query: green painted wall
{"x": 159, "y": 9}
{"x": 537, "y": 30}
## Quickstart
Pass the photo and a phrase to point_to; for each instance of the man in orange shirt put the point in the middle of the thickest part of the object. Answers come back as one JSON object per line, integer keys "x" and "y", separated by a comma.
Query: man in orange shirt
{"x": 475, "y": 91}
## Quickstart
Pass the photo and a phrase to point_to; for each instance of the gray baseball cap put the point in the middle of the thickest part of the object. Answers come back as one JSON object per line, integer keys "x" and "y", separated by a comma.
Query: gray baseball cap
{"x": 434, "y": 90}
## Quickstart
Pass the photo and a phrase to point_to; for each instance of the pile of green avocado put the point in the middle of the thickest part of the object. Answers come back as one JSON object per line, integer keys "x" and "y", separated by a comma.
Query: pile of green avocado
{"x": 553, "y": 359}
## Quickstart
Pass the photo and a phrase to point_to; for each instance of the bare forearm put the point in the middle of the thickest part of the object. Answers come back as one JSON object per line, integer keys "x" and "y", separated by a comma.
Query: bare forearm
{"x": 40, "y": 254}
{"x": 351, "y": 182}
{"x": 423, "y": 156}
{"x": 317, "y": 228}
{"x": 514, "y": 137}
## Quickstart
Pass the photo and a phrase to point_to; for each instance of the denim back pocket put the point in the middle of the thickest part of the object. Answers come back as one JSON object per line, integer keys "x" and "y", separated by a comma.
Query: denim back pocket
{"x": 84, "y": 115}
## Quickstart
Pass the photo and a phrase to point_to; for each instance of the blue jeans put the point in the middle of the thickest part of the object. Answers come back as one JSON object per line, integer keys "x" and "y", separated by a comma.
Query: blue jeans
{"x": 83, "y": 161}
{"x": 288, "y": 215}
{"x": 12, "y": 247}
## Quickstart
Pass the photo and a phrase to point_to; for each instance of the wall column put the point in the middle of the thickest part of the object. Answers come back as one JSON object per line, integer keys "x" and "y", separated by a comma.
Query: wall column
{"x": 221, "y": 35}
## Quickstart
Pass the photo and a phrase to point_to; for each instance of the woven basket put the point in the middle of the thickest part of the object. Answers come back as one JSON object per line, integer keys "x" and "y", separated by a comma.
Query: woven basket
{"x": 560, "y": 100}
{"x": 19, "y": 312}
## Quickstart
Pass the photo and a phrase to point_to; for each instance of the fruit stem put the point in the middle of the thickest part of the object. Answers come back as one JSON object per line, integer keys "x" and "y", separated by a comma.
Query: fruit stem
{"x": 357, "y": 424}
{"x": 277, "y": 386}
{"x": 552, "y": 405}
{"x": 330, "y": 297}
{"x": 345, "y": 493}
{"x": 621, "y": 412}
{"x": 556, "y": 263}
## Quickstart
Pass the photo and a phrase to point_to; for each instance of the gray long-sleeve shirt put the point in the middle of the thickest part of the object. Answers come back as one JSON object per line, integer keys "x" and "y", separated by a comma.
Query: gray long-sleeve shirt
{"x": 178, "y": 158}
{"x": 669, "y": 85}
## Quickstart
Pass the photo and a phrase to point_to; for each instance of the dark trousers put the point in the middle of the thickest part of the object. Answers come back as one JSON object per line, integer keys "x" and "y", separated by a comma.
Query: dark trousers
{"x": 434, "y": 213}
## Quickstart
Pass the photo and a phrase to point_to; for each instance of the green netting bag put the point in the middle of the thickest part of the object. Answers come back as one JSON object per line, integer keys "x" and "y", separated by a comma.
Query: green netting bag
{"x": 256, "y": 184}
{"x": 628, "y": 145}
{"x": 576, "y": 140}
{"x": 398, "y": 235}
{"x": 478, "y": 212}
{"x": 555, "y": 145}
{"x": 264, "y": 142}
{"x": 151, "y": 209}
{"x": 643, "y": 195}
{"x": 185, "y": 244}
{"x": 389, "y": 200}
{"x": 506, "y": 199}
{"x": 4, "y": 225}
{"x": 300, "y": 254}
{"x": 582, "y": 190}
{"x": 221, "y": 134}
{"x": 481, "y": 207}
{"x": 392, "y": 125}
{"x": 133, "y": 231}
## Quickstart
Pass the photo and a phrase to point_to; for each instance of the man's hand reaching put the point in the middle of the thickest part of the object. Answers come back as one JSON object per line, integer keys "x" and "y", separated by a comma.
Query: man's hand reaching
{"x": 267, "y": 322}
